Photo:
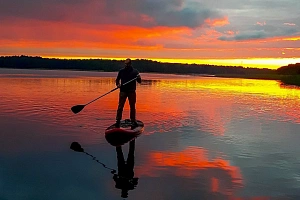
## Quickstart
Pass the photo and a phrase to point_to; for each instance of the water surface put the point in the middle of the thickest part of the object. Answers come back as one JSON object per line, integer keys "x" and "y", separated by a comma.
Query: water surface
{"x": 205, "y": 137}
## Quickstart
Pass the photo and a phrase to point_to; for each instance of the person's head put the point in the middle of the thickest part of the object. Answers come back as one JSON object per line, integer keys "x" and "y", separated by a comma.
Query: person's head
{"x": 127, "y": 62}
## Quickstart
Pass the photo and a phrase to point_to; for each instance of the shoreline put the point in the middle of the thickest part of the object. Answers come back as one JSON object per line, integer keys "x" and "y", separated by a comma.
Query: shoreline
{"x": 293, "y": 80}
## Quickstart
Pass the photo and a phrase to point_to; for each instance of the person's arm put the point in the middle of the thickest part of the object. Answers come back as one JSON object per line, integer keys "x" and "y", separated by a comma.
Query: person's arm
{"x": 118, "y": 80}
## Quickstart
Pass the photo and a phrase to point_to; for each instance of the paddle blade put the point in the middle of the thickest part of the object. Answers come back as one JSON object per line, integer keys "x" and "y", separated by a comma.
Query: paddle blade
{"x": 75, "y": 146}
{"x": 76, "y": 109}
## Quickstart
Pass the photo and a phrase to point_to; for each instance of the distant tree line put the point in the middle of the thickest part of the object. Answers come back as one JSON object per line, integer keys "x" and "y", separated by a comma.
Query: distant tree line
{"x": 291, "y": 69}
{"x": 290, "y": 74}
{"x": 29, "y": 62}
{"x": 143, "y": 65}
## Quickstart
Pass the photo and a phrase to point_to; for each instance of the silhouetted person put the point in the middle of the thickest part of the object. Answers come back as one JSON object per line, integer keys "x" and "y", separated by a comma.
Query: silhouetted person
{"x": 127, "y": 91}
{"x": 125, "y": 180}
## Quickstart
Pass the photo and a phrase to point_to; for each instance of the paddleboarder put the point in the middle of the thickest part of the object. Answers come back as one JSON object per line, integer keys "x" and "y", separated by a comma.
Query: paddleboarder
{"x": 127, "y": 91}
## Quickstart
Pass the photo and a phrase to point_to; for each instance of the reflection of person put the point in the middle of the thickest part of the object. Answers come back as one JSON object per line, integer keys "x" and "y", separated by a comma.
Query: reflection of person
{"x": 127, "y": 91}
{"x": 125, "y": 180}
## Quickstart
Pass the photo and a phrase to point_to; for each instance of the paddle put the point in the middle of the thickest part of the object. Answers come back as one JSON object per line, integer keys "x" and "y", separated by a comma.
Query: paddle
{"x": 76, "y": 109}
{"x": 75, "y": 146}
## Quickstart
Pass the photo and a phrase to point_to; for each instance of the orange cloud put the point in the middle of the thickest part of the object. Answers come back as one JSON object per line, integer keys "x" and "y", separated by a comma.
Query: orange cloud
{"x": 217, "y": 22}
{"x": 50, "y": 35}
{"x": 261, "y": 23}
{"x": 291, "y": 38}
{"x": 60, "y": 39}
{"x": 230, "y": 32}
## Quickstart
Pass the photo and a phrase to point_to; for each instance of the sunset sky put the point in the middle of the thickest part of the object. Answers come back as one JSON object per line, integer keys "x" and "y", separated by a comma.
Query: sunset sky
{"x": 229, "y": 32}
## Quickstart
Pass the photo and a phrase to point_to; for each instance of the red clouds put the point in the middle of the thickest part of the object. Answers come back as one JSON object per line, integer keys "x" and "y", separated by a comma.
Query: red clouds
{"x": 152, "y": 29}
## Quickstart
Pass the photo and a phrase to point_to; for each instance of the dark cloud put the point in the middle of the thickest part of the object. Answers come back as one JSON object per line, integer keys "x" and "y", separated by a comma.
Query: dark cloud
{"x": 260, "y": 34}
{"x": 54, "y": 10}
{"x": 258, "y": 6}
{"x": 176, "y": 12}
{"x": 245, "y": 36}
{"x": 255, "y": 19}
{"x": 185, "y": 17}
{"x": 258, "y": 30}
{"x": 145, "y": 13}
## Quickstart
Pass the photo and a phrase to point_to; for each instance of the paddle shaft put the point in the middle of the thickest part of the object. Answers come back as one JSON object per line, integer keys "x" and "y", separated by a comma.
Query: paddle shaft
{"x": 111, "y": 91}
{"x": 75, "y": 146}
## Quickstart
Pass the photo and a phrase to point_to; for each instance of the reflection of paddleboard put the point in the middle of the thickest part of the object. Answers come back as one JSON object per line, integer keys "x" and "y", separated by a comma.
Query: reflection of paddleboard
{"x": 119, "y": 136}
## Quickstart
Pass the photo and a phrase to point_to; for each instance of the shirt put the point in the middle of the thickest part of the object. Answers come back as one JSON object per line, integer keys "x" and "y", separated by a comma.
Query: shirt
{"x": 125, "y": 75}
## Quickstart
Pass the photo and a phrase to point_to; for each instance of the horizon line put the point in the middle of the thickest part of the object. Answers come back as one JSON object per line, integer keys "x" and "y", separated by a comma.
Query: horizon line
{"x": 262, "y": 63}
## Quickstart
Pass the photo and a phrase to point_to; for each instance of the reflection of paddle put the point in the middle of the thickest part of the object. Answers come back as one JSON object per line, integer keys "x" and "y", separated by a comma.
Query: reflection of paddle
{"x": 76, "y": 109}
{"x": 75, "y": 146}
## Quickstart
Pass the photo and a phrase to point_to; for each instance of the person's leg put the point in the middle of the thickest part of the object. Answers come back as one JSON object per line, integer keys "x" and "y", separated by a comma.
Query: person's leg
{"x": 130, "y": 159}
{"x": 122, "y": 100}
{"x": 132, "y": 101}
{"x": 121, "y": 161}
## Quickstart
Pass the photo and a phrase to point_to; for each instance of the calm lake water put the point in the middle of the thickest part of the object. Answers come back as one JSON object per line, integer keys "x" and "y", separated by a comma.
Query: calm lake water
{"x": 204, "y": 138}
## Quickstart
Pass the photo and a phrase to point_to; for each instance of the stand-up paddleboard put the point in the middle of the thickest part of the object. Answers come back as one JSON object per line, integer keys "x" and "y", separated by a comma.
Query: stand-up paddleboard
{"x": 125, "y": 133}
